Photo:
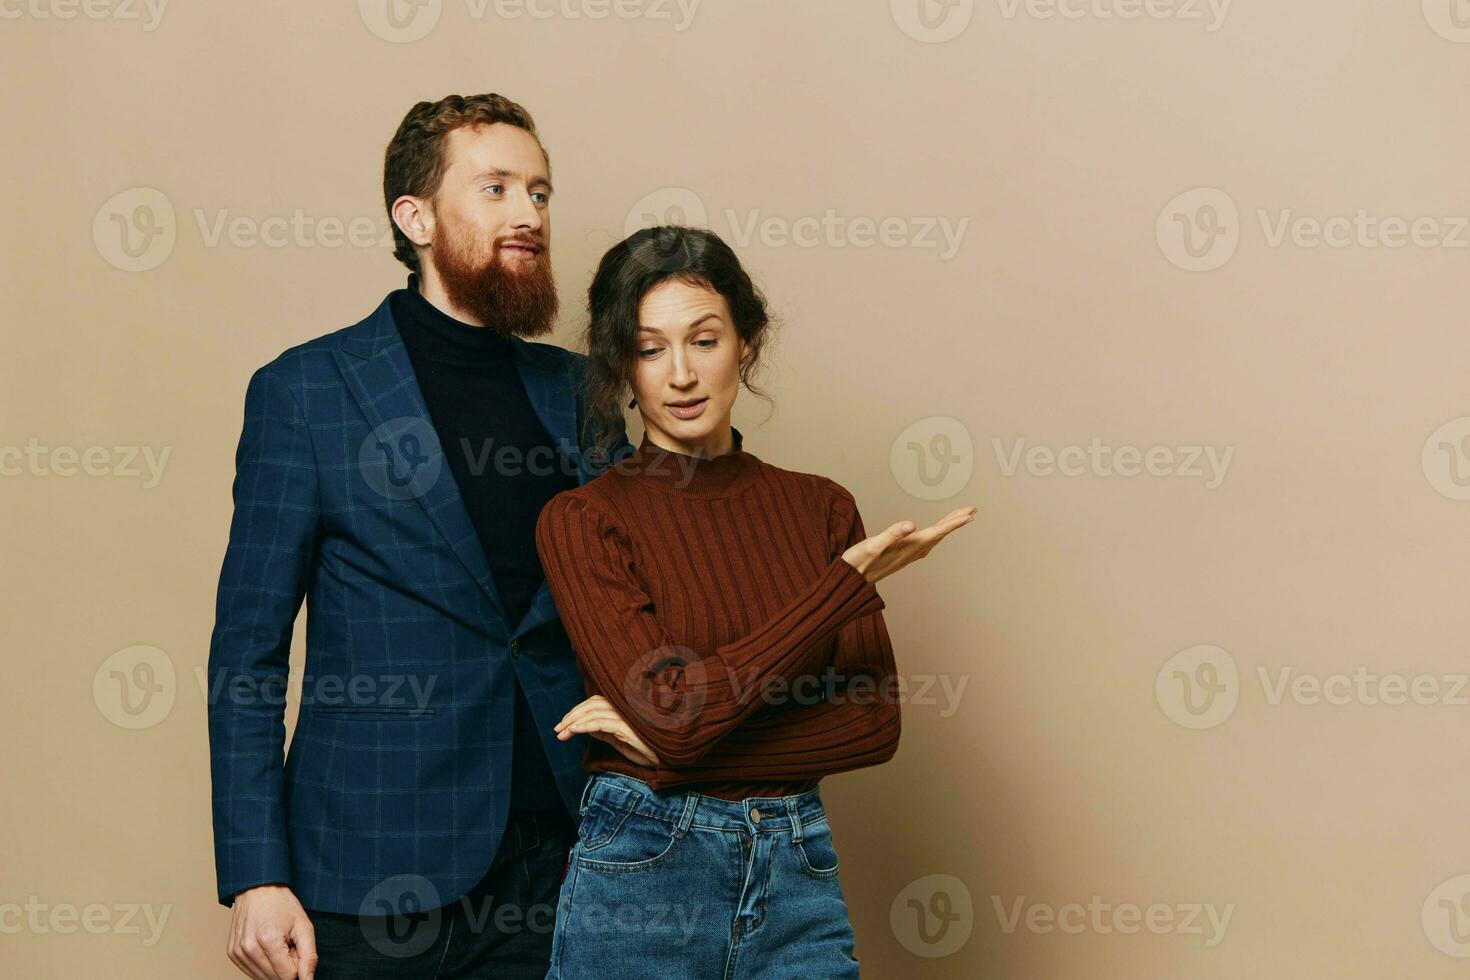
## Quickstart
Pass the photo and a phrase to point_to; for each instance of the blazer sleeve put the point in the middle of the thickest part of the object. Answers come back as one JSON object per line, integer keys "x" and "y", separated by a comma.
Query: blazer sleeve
{"x": 845, "y": 718}
{"x": 266, "y": 566}
{"x": 680, "y": 701}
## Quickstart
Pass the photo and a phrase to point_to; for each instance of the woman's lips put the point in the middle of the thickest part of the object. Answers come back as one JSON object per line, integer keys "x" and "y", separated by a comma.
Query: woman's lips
{"x": 689, "y": 411}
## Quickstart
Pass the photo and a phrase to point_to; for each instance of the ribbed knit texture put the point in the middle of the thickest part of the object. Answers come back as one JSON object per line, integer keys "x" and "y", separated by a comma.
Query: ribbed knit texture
{"x": 708, "y": 600}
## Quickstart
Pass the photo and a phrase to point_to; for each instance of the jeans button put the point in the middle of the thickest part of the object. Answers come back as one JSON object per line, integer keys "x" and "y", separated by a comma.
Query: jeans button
{"x": 755, "y": 815}
{"x": 515, "y": 648}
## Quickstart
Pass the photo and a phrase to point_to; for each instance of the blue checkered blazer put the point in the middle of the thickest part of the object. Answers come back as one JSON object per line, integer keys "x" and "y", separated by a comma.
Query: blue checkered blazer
{"x": 399, "y": 768}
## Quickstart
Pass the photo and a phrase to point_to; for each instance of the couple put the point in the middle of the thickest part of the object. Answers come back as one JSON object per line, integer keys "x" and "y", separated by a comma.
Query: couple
{"x": 566, "y": 701}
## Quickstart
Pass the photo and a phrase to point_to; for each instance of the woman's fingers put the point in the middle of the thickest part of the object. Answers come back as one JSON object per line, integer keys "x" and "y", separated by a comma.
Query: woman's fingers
{"x": 894, "y": 533}
{"x": 940, "y": 529}
{"x": 609, "y": 726}
{"x": 591, "y": 704}
{"x": 598, "y": 715}
{"x": 911, "y": 547}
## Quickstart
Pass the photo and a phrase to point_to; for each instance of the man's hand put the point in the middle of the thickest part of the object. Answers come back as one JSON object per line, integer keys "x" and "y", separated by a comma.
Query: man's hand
{"x": 597, "y": 717}
{"x": 270, "y": 936}
{"x": 900, "y": 545}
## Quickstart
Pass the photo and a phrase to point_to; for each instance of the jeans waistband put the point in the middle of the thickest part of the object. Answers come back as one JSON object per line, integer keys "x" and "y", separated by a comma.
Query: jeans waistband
{"x": 526, "y": 830}
{"x": 755, "y": 814}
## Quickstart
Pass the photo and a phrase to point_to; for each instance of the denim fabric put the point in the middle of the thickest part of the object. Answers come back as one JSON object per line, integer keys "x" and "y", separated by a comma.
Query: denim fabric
{"x": 680, "y": 885}
{"x": 501, "y": 928}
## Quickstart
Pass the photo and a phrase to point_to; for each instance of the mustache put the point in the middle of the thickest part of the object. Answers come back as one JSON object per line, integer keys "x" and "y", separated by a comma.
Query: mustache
{"x": 535, "y": 241}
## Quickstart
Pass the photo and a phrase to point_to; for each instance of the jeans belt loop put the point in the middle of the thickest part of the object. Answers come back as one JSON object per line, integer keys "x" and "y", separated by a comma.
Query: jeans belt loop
{"x": 796, "y": 833}
{"x": 691, "y": 802}
{"x": 586, "y": 794}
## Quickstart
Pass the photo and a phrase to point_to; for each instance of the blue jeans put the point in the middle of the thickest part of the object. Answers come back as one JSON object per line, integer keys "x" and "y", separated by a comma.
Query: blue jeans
{"x": 680, "y": 885}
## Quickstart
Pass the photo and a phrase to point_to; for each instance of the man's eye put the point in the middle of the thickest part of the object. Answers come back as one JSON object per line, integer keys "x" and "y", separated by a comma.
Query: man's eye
{"x": 540, "y": 197}
{"x": 495, "y": 188}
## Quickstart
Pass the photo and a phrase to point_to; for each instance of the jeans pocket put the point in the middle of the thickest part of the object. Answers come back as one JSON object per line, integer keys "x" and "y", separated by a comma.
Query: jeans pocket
{"x": 816, "y": 853}
{"x": 334, "y": 930}
{"x": 624, "y": 842}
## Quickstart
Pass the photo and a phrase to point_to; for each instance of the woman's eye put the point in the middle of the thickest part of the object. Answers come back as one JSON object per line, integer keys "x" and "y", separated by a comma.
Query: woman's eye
{"x": 645, "y": 352}
{"x": 706, "y": 343}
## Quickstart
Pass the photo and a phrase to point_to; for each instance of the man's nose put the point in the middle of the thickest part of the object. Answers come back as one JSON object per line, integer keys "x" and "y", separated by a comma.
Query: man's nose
{"x": 527, "y": 216}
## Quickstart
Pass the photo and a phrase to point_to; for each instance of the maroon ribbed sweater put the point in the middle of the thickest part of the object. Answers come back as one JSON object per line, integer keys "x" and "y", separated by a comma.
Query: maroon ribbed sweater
{"x": 708, "y": 600}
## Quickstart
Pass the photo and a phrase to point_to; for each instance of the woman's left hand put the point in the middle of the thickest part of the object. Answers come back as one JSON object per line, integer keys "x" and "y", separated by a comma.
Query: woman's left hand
{"x": 597, "y": 717}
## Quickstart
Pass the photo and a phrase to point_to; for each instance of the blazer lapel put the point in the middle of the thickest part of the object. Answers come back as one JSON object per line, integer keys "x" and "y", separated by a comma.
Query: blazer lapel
{"x": 548, "y": 383}
{"x": 550, "y": 386}
{"x": 374, "y": 362}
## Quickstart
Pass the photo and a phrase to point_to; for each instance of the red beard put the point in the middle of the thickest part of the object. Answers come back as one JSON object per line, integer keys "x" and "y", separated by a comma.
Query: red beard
{"x": 520, "y": 303}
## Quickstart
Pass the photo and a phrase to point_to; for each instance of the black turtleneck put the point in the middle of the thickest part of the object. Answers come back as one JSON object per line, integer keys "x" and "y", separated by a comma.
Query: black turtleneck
{"x": 497, "y": 449}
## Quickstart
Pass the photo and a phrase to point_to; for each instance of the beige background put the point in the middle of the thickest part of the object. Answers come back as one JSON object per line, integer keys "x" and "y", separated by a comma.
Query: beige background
{"x": 1334, "y": 834}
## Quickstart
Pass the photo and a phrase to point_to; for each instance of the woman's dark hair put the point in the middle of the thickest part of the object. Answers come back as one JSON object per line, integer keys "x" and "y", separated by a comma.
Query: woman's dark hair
{"x": 626, "y": 274}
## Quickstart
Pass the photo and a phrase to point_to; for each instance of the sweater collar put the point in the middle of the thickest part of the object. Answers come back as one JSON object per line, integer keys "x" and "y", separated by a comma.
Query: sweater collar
{"x": 698, "y": 476}
{"x": 430, "y": 332}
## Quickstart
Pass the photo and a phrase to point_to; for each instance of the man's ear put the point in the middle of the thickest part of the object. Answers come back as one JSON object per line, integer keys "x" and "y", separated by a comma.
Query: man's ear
{"x": 415, "y": 218}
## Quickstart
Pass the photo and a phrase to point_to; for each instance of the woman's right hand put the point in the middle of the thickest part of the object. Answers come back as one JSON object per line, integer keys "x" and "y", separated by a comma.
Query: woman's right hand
{"x": 883, "y": 554}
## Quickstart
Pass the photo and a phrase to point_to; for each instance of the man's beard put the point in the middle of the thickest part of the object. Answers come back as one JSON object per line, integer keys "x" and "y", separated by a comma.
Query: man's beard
{"x": 522, "y": 304}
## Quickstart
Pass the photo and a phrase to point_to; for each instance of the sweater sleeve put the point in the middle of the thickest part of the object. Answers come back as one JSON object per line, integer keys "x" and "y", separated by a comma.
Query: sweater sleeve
{"x": 680, "y": 701}
{"x": 845, "y": 718}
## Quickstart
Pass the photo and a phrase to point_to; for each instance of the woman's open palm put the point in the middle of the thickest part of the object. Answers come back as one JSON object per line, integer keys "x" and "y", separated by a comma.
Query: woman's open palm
{"x": 881, "y": 555}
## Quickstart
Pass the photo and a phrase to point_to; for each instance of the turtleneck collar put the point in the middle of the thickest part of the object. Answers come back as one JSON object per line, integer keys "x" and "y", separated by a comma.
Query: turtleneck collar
{"x": 430, "y": 332}
{"x": 697, "y": 476}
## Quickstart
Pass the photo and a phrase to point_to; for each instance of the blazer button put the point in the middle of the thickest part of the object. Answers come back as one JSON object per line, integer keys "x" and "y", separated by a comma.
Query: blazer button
{"x": 515, "y": 648}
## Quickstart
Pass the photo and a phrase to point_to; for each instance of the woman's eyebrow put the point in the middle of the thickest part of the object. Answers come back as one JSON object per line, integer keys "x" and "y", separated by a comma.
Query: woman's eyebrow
{"x": 707, "y": 316}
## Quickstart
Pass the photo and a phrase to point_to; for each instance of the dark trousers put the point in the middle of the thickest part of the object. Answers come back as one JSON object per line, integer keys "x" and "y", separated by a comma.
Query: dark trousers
{"x": 501, "y": 928}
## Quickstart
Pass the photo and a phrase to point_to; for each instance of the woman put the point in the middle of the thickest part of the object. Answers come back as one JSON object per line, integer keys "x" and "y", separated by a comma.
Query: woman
{"x": 724, "y": 614}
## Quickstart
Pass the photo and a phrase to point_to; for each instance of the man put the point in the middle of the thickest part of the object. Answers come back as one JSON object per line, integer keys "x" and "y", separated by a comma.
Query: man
{"x": 391, "y": 473}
